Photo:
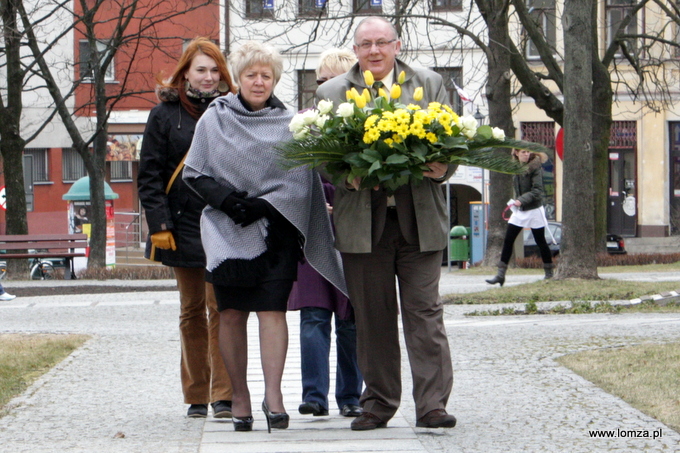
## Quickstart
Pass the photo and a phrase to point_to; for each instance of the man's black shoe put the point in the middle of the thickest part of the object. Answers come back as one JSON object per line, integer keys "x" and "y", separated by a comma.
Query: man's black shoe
{"x": 313, "y": 408}
{"x": 221, "y": 409}
{"x": 198, "y": 411}
{"x": 350, "y": 410}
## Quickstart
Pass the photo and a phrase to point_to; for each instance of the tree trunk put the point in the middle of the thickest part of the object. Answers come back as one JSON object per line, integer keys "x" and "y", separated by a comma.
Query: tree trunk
{"x": 11, "y": 143}
{"x": 578, "y": 254}
{"x": 500, "y": 115}
{"x": 602, "y": 123}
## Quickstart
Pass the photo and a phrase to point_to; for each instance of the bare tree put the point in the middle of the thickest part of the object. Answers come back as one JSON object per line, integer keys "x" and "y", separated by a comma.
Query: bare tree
{"x": 112, "y": 29}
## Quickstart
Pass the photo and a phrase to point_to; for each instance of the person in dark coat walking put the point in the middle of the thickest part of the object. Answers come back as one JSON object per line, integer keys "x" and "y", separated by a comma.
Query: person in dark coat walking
{"x": 527, "y": 212}
{"x": 173, "y": 213}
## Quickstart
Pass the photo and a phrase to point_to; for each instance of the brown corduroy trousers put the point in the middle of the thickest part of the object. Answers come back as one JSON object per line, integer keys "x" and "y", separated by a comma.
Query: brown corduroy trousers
{"x": 204, "y": 377}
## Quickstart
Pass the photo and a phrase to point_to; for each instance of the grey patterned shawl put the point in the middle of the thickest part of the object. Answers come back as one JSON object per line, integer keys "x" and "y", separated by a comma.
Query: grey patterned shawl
{"x": 235, "y": 147}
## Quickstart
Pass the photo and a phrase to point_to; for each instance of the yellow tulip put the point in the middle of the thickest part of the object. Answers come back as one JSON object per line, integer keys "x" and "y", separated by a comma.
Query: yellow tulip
{"x": 381, "y": 92}
{"x": 348, "y": 95}
{"x": 366, "y": 94}
{"x": 360, "y": 101}
{"x": 395, "y": 92}
{"x": 418, "y": 94}
{"x": 368, "y": 78}
{"x": 355, "y": 93}
{"x": 401, "y": 78}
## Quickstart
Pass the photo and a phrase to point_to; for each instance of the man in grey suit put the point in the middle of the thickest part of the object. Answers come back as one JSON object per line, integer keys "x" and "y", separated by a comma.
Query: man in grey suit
{"x": 381, "y": 236}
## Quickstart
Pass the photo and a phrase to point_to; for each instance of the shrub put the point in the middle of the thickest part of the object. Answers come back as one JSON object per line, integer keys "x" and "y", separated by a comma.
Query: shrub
{"x": 128, "y": 273}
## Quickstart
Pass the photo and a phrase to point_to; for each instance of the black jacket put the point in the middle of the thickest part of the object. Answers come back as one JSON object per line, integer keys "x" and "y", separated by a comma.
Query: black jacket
{"x": 167, "y": 138}
{"x": 529, "y": 185}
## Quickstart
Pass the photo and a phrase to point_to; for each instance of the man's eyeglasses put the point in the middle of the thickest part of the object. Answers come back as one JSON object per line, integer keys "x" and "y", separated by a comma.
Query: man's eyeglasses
{"x": 367, "y": 45}
{"x": 320, "y": 81}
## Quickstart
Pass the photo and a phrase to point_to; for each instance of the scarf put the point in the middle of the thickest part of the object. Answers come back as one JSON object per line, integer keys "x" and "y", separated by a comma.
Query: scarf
{"x": 236, "y": 147}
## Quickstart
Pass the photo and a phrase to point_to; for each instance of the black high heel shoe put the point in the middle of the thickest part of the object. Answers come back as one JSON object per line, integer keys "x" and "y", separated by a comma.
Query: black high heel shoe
{"x": 243, "y": 423}
{"x": 277, "y": 420}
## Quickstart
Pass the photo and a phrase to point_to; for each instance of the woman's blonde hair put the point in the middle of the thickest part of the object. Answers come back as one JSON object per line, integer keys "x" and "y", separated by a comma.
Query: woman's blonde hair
{"x": 338, "y": 61}
{"x": 252, "y": 53}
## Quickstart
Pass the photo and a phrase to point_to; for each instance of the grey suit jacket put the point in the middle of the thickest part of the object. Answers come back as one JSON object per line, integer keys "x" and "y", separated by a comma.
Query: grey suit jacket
{"x": 359, "y": 216}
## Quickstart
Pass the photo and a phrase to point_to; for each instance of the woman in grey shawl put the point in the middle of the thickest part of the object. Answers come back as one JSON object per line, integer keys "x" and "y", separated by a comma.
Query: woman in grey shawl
{"x": 259, "y": 220}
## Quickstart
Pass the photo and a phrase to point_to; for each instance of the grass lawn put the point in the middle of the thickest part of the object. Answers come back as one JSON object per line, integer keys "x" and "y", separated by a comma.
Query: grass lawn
{"x": 645, "y": 376}
{"x": 24, "y": 358}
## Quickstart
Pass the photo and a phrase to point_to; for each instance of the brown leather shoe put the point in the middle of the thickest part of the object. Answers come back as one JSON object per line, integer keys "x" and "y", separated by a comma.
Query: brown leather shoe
{"x": 367, "y": 421}
{"x": 437, "y": 418}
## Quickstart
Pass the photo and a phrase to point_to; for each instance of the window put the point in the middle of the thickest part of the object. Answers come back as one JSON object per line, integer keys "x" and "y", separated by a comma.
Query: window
{"x": 543, "y": 12}
{"x": 306, "y": 88}
{"x": 259, "y": 9}
{"x": 452, "y": 77}
{"x": 86, "y": 64}
{"x": 121, "y": 170}
{"x": 312, "y": 7}
{"x": 72, "y": 165}
{"x": 617, "y": 10}
{"x": 367, "y": 6}
{"x": 40, "y": 164}
{"x": 447, "y": 5}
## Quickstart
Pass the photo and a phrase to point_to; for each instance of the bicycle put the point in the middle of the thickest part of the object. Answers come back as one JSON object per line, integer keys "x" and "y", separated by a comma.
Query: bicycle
{"x": 40, "y": 269}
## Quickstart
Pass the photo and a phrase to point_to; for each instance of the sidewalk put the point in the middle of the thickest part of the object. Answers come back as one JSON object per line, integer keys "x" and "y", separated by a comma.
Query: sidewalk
{"x": 121, "y": 392}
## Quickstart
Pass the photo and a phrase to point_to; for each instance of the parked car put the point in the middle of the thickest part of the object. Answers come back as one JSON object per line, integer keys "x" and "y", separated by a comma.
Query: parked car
{"x": 615, "y": 243}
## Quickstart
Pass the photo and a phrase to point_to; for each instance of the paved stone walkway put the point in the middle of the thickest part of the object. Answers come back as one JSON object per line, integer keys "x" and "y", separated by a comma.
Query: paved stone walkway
{"x": 121, "y": 393}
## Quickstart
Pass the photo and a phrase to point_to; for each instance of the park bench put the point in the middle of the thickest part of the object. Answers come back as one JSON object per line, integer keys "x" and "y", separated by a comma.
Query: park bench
{"x": 32, "y": 246}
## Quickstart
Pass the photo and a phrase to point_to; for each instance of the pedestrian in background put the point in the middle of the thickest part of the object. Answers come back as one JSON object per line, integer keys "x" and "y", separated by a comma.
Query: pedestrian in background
{"x": 319, "y": 301}
{"x": 5, "y": 296}
{"x": 257, "y": 217}
{"x": 527, "y": 212}
{"x": 173, "y": 213}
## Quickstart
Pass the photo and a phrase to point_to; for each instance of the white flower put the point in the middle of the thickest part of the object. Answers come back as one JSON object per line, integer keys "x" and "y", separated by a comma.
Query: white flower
{"x": 470, "y": 122}
{"x": 301, "y": 134}
{"x": 498, "y": 133}
{"x": 309, "y": 116}
{"x": 470, "y": 133}
{"x": 321, "y": 121}
{"x": 296, "y": 123}
{"x": 325, "y": 106}
{"x": 345, "y": 110}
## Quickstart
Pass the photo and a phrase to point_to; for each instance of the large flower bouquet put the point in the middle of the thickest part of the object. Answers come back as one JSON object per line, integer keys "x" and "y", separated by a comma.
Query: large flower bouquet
{"x": 383, "y": 142}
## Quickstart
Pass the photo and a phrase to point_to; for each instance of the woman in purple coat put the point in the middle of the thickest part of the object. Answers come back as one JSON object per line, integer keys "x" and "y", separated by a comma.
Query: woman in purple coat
{"x": 318, "y": 301}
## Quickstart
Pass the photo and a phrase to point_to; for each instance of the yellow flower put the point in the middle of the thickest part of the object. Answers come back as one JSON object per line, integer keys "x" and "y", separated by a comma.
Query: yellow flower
{"x": 388, "y": 142}
{"x": 360, "y": 101}
{"x": 431, "y": 137}
{"x": 355, "y": 93}
{"x": 395, "y": 92}
{"x": 366, "y": 94}
{"x": 370, "y": 121}
{"x": 413, "y": 107}
{"x": 401, "y": 78}
{"x": 418, "y": 94}
{"x": 381, "y": 92}
{"x": 368, "y": 78}
{"x": 348, "y": 95}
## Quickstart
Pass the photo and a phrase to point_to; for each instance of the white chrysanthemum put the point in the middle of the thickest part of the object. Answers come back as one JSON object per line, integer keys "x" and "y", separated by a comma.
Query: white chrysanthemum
{"x": 345, "y": 110}
{"x": 296, "y": 123}
{"x": 498, "y": 133}
{"x": 325, "y": 106}
{"x": 321, "y": 121}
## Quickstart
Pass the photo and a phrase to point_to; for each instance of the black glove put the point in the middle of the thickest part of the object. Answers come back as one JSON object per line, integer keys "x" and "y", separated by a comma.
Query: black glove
{"x": 233, "y": 206}
{"x": 253, "y": 210}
